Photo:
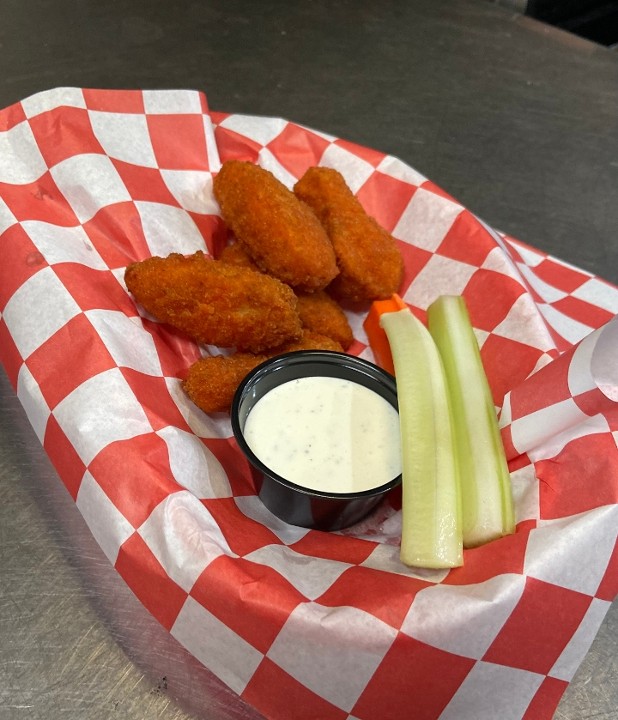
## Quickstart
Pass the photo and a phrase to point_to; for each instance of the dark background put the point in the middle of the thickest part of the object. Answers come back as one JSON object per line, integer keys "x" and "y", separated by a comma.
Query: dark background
{"x": 596, "y": 20}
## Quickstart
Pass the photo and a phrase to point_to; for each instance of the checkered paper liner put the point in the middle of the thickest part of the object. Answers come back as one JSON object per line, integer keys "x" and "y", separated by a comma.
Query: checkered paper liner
{"x": 301, "y": 623}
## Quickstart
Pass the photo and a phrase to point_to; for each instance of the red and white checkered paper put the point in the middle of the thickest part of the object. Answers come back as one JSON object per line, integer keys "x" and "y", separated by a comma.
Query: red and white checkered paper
{"x": 302, "y": 623}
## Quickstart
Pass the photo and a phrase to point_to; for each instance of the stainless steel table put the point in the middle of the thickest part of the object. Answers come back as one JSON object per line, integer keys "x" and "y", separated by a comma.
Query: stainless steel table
{"x": 517, "y": 120}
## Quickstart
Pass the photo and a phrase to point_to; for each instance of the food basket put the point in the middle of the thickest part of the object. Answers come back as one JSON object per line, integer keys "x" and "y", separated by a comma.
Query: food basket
{"x": 91, "y": 180}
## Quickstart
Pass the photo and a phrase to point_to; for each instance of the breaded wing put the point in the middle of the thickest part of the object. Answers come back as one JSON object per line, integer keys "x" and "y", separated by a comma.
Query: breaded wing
{"x": 235, "y": 254}
{"x": 370, "y": 263}
{"x": 309, "y": 340}
{"x": 281, "y": 234}
{"x": 215, "y": 303}
{"x": 320, "y": 313}
{"x": 212, "y": 381}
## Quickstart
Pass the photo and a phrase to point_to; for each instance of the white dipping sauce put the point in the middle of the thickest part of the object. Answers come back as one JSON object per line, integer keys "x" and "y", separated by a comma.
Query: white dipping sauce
{"x": 327, "y": 434}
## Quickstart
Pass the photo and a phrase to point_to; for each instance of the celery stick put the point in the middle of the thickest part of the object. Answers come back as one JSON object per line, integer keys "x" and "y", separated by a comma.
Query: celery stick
{"x": 431, "y": 524}
{"x": 486, "y": 496}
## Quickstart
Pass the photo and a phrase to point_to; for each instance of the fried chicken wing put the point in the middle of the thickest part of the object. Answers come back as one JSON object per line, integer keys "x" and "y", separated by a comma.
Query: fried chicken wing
{"x": 309, "y": 340}
{"x": 212, "y": 381}
{"x": 215, "y": 303}
{"x": 319, "y": 312}
{"x": 235, "y": 254}
{"x": 370, "y": 263}
{"x": 281, "y": 234}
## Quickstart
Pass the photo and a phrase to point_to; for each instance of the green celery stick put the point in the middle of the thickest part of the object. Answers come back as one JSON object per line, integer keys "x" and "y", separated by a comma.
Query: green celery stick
{"x": 486, "y": 495}
{"x": 431, "y": 523}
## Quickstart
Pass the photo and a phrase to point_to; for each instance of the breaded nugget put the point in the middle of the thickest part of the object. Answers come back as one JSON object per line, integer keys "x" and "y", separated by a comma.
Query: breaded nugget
{"x": 212, "y": 381}
{"x": 320, "y": 313}
{"x": 370, "y": 263}
{"x": 215, "y": 303}
{"x": 281, "y": 234}
{"x": 309, "y": 340}
{"x": 235, "y": 254}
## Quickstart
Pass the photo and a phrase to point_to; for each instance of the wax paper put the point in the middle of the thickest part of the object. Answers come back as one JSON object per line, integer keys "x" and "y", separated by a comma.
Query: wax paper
{"x": 302, "y": 623}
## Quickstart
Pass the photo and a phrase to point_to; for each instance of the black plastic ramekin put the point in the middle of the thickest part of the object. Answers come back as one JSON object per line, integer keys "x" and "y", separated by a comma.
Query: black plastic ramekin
{"x": 293, "y": 503}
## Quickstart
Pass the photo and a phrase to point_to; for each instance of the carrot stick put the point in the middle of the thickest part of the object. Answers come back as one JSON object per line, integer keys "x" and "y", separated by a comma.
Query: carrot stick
{"x": 376, "y": 335}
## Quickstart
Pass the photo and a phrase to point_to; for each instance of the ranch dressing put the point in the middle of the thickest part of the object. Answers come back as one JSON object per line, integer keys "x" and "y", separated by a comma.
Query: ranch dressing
{"x": 327, "y": 434}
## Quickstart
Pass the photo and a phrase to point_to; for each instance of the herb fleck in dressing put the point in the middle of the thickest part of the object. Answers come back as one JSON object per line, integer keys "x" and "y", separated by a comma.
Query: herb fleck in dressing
{"x": 327, "y": 434}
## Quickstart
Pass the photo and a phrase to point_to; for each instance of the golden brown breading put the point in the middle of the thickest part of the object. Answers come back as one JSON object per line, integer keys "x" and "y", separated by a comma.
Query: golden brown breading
{"x": 235, "y": 254}
{"x": 320, "y": 313}
{"x": 309, "y": 340}
{"x": 212, "y": 381}
{"x": 370, "y": 263}
{"x": 215, "y": 303}
{"x": 317, "y": 310}
{"x": 281, "y": 234}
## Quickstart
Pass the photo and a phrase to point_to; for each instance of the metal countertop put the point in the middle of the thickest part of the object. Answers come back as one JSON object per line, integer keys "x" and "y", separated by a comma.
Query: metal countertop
{"x": 515, "y": 119}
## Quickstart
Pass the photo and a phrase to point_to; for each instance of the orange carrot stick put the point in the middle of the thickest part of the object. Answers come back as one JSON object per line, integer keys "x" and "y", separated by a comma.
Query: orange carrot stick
{"x": 376, "y": 335}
